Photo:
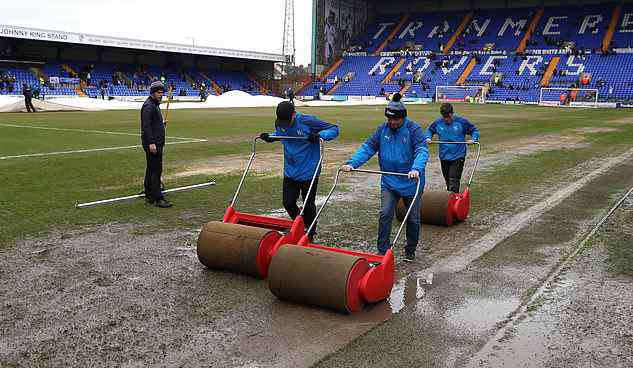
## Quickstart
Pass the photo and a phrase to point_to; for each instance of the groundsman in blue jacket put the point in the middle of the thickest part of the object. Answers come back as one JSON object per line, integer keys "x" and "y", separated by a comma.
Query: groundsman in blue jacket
{"x": 301, "y": 157}
{"x": 401, "y": 148}
{"x": 452, "y": 128}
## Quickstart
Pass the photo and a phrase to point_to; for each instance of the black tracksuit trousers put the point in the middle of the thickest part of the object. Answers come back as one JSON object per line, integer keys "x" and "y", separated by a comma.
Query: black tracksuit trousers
{"x": 29, "y": 104}
{"x": 452, "y": 171}
{"x": 291, "y": 191}
{"x": 153, "y": 172}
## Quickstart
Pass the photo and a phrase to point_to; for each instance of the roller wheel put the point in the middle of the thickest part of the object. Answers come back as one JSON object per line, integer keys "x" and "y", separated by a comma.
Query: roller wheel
{"x": 238, "y": 248}
{"x": 401, "y": 210}
{"x": 435, "y": 209}
{"x": 318, "y": 277}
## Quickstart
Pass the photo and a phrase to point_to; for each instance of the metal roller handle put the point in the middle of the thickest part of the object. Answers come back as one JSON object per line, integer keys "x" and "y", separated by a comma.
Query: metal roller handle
{"x": 329, "y": 195}
{"x": 252, "y": 158}
{"x": 472, "y": 173}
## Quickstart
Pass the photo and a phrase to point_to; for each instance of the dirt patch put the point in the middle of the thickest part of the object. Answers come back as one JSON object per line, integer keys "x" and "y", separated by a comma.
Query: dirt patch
{"x": 238, "y": 138}
{"x": 597, "y": 130}
{"x": 583, "y": 319}
{"x": 623, "y": 120}
{"x": 265, "y": 162}
{"x": 539, "y": 143}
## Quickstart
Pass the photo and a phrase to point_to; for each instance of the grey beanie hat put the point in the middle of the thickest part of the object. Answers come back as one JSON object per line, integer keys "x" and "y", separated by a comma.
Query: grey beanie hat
{"x": 156, "y": 86}
{"x": 395, "y": 108}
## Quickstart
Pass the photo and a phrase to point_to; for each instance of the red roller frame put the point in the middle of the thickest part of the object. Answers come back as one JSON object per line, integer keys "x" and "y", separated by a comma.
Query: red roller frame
{"x": 293, "y": 229}
{"x": 459, "y": 203}
{"x": 364, "y": 285}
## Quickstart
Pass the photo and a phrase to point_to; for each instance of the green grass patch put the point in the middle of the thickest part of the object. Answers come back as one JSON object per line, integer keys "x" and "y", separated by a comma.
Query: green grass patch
{"x": 38, "y": 193}
{"x": 617, "y": 237}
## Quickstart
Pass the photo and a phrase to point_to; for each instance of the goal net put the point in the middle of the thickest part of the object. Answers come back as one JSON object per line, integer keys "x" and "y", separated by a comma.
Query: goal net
{"x": 569, "y": 97}
{"x": 467, "y": 94}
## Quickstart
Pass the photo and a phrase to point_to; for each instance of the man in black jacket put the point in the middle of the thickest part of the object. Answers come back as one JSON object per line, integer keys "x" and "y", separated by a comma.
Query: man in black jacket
{"x": 153, "y": 138}
{"x": 28, "y": 96}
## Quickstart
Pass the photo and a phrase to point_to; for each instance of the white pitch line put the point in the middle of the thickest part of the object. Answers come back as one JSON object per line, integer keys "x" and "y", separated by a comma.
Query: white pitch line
{"x": 89, "y": 131}
{"x": 90, "y": 150}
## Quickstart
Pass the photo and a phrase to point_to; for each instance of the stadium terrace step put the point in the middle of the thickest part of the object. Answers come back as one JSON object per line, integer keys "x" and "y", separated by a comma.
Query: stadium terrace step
{"x": 533, "y": 24}
{"x": 393, "y": 34}
{"x": 393, "y": 71}
{"x": 308, "y": 81}
{"x": 70, "y": 70}
{"x": 608, "y": 36}
{"x": 549, "y": 73}
{"x": 462, "y": 26}
{"x": 405, "y": 88}
{"x": 334, "y": 88}
{"x": 331, "y": 69}
{"x": 37, "y": 72}
{"x": 467, "y": 71}
{"x": 260, "y": 87}
{"x": 188, "y": 78}
{"x": 214, "y": 85}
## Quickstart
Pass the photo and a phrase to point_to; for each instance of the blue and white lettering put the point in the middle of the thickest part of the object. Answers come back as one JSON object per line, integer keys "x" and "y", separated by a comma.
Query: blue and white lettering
{"x": 486, "y": 69}
{"x": 590, "y": 21}
{"x": 549, "y": 27}
{"x": 434, "y": 32}
{"x": 410, "y": 30}
{"x": 530, "y": 63}
{"x": 580, "y": 68}
{"x": 383, "y": 27}
{"x": 517, "y": 26}
{"x": 382, "y": 64}
{"x": 480, "y": 29}
{"x": 455, "y": 66}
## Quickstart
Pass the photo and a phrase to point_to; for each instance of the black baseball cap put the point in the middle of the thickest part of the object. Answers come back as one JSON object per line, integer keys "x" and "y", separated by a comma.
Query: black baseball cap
{"x": 285, "y": 109}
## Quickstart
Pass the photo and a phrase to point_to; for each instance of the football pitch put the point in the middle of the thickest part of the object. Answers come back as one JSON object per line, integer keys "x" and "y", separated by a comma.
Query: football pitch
{"x": 51, "y": 160}
{"x": 120, "y": 284}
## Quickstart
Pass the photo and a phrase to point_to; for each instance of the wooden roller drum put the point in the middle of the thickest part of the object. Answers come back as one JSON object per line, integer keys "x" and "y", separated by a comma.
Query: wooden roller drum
{"x": 318, "y": 277}
{"x": 434, "y": 209}
{"x": 238, "y": 248}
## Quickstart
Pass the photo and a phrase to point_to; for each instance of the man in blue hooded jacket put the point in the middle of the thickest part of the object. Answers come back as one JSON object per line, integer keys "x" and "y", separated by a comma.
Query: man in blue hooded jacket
{"x": 451, "y": 128}
{"x": 300, "y": 157}
{"x": 401, "y": 148}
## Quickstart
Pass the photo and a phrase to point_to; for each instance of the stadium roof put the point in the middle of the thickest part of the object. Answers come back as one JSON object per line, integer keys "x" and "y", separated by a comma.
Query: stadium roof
{"x": 88, "y": 39}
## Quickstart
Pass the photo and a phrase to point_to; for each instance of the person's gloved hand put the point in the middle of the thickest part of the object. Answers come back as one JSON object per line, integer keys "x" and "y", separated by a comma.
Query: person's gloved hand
{"x": 266, "y": 137}
{"x": 314, "y": 137}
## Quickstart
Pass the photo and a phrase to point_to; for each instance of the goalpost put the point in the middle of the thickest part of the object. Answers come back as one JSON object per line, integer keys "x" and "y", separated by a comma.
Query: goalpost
{"x": 466, "y": 94}
{"x": 568, "y": 97}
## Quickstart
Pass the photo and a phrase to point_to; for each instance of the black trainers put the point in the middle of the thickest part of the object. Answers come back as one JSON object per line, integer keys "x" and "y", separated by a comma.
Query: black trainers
{"x": 409, "y": 257}
{"x": 149, "y": 200}
{"x": 162, "y": 203}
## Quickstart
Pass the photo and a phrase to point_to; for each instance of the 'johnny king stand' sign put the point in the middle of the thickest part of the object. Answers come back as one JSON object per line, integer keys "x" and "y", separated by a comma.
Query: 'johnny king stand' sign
{"x": 86, "y": 39}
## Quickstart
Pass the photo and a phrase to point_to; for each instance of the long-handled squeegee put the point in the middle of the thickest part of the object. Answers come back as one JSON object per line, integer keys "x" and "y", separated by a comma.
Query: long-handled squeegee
{"x": 142, "y": 195}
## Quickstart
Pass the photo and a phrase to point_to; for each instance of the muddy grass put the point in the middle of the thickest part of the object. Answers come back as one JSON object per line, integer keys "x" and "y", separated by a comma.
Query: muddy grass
{"x": 451, "y": 318}
{"x": 266, "y": 162}
{"x": 107, "y": 297}
{"x": 133, "y": 298}
{"x": 583, "y": 318}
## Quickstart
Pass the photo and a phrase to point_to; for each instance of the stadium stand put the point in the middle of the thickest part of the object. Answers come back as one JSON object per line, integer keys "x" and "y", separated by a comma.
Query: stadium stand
{"x": 58, "y": 78}
{"x": 515, "y": 52}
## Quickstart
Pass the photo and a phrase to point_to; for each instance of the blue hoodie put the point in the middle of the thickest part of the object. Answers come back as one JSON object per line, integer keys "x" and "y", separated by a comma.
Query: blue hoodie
{"x": 453, "y": 132}
{"x": 399, "y": 151}
{"x": 301, "y": 156}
